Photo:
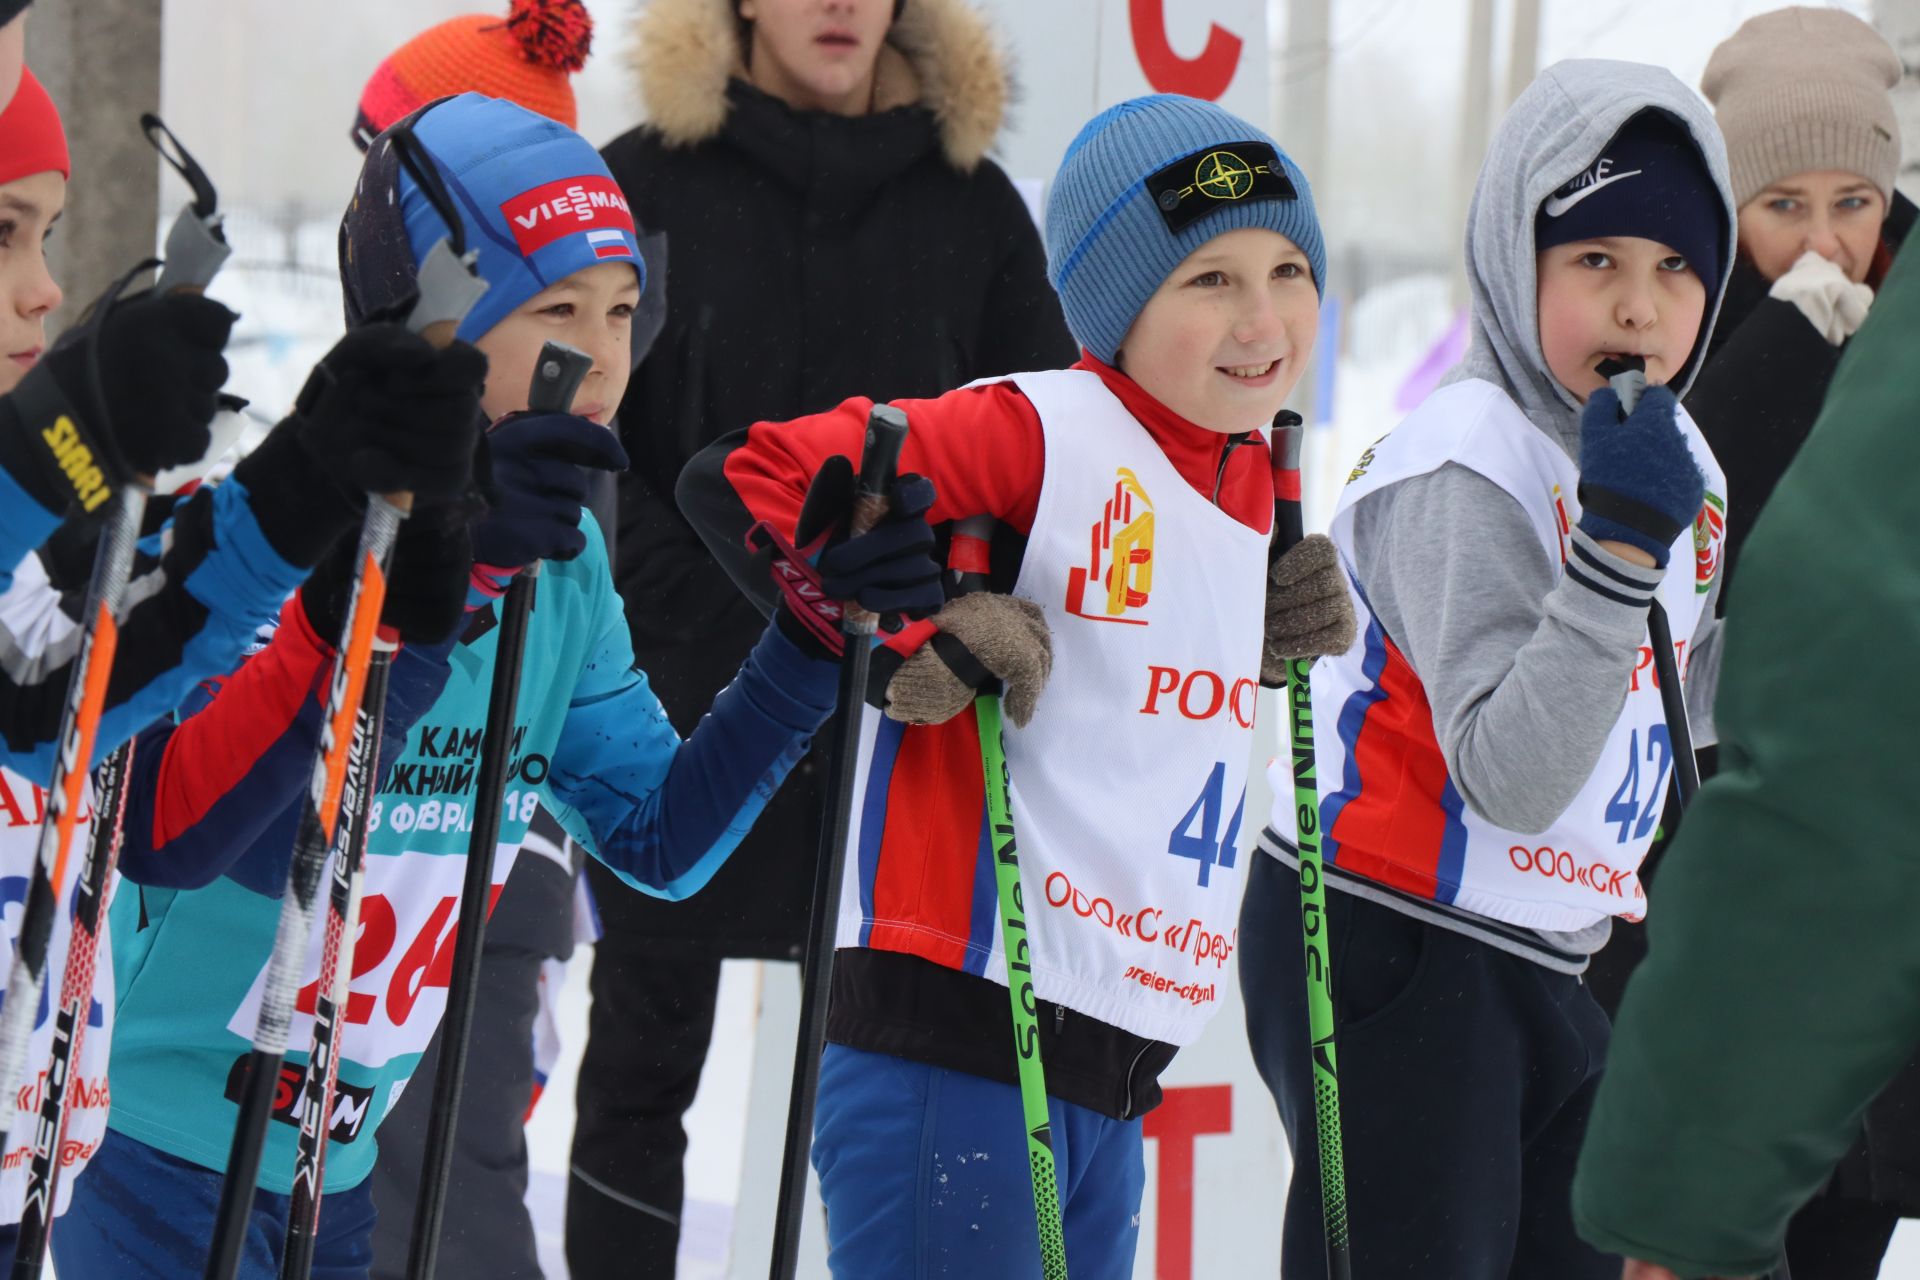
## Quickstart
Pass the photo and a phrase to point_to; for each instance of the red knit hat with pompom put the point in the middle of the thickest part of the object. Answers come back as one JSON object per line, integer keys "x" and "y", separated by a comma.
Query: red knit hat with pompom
{"x": 529, "y": 59}
{"x": 32, "y": 139}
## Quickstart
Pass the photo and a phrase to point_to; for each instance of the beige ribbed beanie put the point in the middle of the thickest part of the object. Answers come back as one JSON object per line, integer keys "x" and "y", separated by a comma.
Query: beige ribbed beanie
{"x": 1802, "y": 89}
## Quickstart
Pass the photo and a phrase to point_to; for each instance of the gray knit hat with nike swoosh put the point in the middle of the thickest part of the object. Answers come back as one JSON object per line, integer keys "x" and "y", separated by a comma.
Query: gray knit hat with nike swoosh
{"x": 1649, "y": 181}
{"x": 1147, "y": 182}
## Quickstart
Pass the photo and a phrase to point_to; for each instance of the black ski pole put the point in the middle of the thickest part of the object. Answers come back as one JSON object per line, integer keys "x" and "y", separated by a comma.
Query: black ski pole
{"x": 1628, "y": 378}
{"x": 70, "y": 1018}
{"x": 448, "y": 288}
{"x": 196, "y": 248}
{"x": 557, "y": 376}
{"x": 331, "y": 996}
{"x": 879, "y": 459}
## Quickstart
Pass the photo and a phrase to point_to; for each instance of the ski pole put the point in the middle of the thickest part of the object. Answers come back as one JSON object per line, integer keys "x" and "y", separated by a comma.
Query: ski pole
{"x": 331, "y": 994}
{"x": 557, "y": 375}
{"x": 70, "y": 1019}
{"x": 1289, "y": 528}
{"x": 1628, "y": 378}
{"x": 448, "y": 287}
{"x": 202, "y": 247}
{"x": 969, "y": 555}
{"x": 879, "y": 459}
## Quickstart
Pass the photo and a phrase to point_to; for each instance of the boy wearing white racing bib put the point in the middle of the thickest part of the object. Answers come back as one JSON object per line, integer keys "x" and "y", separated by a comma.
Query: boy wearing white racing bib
{"x": 1492, "y": 756}
{"x": 1134, "y": 499}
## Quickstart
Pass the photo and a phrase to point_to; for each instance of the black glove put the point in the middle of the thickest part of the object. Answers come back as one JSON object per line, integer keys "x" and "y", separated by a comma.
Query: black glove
{"x": 1639, "y": 483}
{"x": 426, "y": 579}
{"x": 888, "y": 570}
{"x": 83, "y": 428}
{"x": 384, "y": 412}
{"x": 540, "y": 484}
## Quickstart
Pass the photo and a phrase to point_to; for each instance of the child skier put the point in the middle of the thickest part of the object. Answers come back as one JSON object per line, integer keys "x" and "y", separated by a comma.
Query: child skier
{"x": 1135, "y": 494}
{"x": 1492, "y": 757}
{"x": 229, "y": 556}
{"x": 557, "y": 248}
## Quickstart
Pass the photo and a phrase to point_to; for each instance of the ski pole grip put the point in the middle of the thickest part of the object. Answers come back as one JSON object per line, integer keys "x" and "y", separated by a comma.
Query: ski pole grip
{"x": 1289, "y": 524}
{"x": 1628, "y": 378}
{"x": 557, "y": 376}
{"x": 879, "y": 463}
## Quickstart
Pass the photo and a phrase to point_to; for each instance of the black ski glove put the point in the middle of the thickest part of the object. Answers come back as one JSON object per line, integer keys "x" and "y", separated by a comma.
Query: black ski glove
{"x": 384, "y": 412}
{"x": 426, "y": 580}
{"x": 1638, "y": 480}
{"x": 80, "y": 428}
{"x": 888, "y": 570}
{"x": 540, "y": 463}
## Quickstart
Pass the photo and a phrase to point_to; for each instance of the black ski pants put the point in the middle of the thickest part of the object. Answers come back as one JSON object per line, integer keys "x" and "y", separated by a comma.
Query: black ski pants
{"x": 1466, "y": 1076}
{"x": 647, "y": 1041}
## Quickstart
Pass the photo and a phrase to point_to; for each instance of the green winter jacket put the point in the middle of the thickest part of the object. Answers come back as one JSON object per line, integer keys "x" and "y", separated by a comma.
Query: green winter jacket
{"x": 1782, "y": 987}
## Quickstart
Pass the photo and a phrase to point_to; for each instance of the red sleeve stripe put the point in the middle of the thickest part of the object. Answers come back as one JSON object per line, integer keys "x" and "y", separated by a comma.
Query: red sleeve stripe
{"x": 207, "y": 756}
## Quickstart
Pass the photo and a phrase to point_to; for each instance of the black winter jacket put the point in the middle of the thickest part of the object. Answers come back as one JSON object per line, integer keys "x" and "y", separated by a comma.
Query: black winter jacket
{"x": 811, "y": 257}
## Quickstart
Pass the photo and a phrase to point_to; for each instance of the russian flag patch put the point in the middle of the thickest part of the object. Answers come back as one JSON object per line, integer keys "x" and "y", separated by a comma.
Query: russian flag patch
{"x": 609, "y": 244}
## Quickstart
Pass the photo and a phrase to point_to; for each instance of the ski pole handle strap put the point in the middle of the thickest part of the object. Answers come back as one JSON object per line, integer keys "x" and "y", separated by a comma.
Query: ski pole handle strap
{"x": 804, "y": 602}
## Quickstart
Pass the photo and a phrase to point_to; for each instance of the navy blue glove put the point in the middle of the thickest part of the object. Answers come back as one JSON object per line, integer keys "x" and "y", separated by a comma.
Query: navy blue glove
{"x": 889, "y": 570}
{"x": 540, "y": 484}
{"x": 1638, "y": 480}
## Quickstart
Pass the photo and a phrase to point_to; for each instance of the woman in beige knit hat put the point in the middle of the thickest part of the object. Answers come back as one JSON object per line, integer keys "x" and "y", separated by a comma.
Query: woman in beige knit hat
{"x": 1801, "y": 95}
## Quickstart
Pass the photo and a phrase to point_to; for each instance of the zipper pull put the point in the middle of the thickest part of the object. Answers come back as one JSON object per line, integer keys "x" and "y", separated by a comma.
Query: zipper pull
{"x": 1059, "y": 1020}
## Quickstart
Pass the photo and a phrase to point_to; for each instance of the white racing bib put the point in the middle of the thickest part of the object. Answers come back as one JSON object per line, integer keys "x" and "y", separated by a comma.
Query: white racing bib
{"x": 1379, "y": 771}
{"x": 22, "y": 808}
{"x": 1128, "y": 788}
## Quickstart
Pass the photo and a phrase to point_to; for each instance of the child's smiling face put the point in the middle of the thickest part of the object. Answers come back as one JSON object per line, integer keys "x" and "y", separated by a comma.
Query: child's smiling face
{"x": 1616, "y": 296}
{"x": 591, "y": 310}
{"x": 1228, "y": 333}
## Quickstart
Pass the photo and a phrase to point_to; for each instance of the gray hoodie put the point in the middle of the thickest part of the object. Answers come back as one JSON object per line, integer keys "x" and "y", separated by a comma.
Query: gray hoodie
{"x": 1527, "y": 670}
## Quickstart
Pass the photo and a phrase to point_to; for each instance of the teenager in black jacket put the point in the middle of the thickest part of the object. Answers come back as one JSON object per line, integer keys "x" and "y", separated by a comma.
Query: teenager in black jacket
{"x": 833, "y": 226}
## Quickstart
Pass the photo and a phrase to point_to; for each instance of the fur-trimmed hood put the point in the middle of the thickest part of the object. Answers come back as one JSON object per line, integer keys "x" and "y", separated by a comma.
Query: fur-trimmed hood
{"x": 940, "y": 54}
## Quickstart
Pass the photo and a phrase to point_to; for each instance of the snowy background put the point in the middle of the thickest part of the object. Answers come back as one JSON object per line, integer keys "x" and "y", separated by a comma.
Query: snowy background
{"x": 265, "y": 91}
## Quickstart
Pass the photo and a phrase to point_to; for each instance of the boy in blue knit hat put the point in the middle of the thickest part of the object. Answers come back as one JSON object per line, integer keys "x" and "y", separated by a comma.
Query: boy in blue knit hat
{"x": 1132, "y": 500}
{"x": 1493, "y": 757}
{"x": 590, "y": 742}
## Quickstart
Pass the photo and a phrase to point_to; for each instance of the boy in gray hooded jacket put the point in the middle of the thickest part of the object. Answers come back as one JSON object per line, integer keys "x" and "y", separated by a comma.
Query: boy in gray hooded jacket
{"x": 1492, "y": 754}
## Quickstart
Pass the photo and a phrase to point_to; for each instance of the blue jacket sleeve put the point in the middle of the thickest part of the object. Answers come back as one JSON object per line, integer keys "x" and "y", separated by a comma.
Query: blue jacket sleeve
{"x": 208, "y": 582}
{"x": 24, "y": 525}
{"x": 664, "y": 814}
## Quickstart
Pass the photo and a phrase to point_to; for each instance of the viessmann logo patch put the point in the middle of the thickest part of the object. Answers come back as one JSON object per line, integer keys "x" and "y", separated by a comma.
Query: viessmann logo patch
{"x": 592, "y": 204}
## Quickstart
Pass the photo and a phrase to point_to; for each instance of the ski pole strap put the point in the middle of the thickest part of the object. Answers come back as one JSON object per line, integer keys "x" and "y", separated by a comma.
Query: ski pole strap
{"x": 800, "y": 585}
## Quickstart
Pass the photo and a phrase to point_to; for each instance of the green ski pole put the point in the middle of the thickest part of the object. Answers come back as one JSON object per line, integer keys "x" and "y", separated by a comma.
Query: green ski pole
{"x": 1014, "y": 939}
{"x": 1289, "y": 528}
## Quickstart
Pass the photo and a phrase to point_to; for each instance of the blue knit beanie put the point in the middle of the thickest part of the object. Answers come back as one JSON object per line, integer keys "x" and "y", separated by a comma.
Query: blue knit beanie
{"x": 536, "y": 199}
{"x": 1145, "y": 184}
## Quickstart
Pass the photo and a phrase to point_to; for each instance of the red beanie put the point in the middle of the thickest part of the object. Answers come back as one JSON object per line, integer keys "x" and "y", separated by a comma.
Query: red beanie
{"x": 31, "y": 138}
{"x": 527, "y": 59}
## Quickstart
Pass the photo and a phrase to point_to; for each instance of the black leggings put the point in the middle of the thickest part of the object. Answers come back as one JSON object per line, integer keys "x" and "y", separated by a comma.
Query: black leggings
{"x": 1466, "y": 1076}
